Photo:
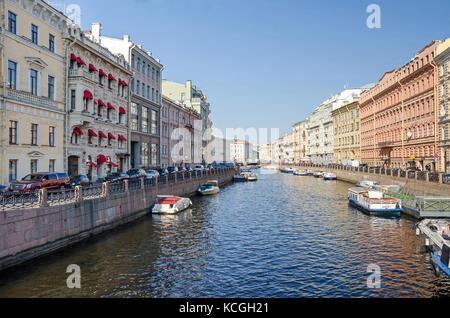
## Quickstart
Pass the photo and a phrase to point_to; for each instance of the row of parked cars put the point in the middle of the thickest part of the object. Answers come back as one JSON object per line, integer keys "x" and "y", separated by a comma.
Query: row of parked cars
{"x": 61, "y": 181}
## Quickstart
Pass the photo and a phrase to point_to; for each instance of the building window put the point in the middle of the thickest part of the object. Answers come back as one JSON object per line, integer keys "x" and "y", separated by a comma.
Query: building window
{"x": 72, "y": 99}
{"x": 138, "y": 87}
{"x": 74, "y": 139}
{"x": 12, "y": 170}
{"x": 134, "y": 117}
{"x": 51, "y": 136}
{"x": 13, "y": 132}
{"x": 33, "y": 81}
{"x": 34, "y": 134}
{"x": 12, "y": 22}
{"x": 12, "y": 75}
{"x": 144, "y": 154}
{"x": 132, "y": 60}
{"x": 153, "y": 94}
{"x": 154, "y": 155}
{"x": 34, "y": 34}
{"x": 51, "y": 43}
{"x": 51, "y": 165}
{"x": 154, "y": 122}
{"x": 143, "y": 89}
{"x": 144, "y": 120}
{"x": 33, "y": 165}
{"x": 51, "y": 87}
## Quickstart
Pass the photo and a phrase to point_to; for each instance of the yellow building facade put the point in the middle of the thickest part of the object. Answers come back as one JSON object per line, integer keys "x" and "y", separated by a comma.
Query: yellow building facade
{"x": 32, "y": 89}
{"x": 346, "y": 142}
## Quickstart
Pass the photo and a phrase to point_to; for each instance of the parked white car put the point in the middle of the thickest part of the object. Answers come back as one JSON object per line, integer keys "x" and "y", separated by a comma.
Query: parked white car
{"x": 151, "y": 174}
{"x": 199, "y": 168}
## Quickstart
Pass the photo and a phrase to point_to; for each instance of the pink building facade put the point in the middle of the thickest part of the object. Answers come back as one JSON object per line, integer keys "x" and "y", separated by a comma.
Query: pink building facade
{"x": 398, "y": 117}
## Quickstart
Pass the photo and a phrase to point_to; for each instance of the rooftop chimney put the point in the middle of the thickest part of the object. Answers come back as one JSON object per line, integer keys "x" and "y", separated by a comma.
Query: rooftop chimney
{"x": 126, "y": 38}
{"x": 96, "y": 28}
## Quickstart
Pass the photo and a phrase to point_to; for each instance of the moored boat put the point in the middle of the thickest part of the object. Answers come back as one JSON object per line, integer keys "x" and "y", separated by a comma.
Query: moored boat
{"x": 367, "y": 184}
{"x": 318, "y": 174}
{"x": 302, "y": 173}
{"x": 329, "y": 176}
{"x": 240, "y": 178}
{"x": 287, "y": 170}
{"x": 209, "y": 188}
{"x": 170, "y": 204}
{"x": 437, "y": 238}
{"x": 252, "y": 177}
{"x": 374, "y": 202}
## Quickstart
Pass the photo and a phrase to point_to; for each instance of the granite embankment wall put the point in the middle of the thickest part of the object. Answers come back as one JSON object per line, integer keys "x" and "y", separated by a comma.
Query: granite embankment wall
{"x": 29, "y": 233}
{"x": 415, "y": 183}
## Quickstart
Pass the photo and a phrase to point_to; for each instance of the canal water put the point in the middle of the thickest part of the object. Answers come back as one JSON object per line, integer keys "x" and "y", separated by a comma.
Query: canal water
{"x": 283, "y": 236}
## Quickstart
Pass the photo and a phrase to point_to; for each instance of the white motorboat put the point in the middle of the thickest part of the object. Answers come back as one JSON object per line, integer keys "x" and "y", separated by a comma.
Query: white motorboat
{"x": 252, "y": 177}
{"x": 329, "y": 176}
{"x": 209, "y": 188}
{"x": 170, "y": 204}
{"x": 367, "y": 184}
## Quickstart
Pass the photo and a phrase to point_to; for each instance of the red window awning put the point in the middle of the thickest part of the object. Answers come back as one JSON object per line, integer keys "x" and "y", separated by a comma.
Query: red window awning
{"x": 92, "y": 133}
{"x": 88, "y": 95}
{"x": 122, "y": 110}
{"x": 78, "y": 131}
{"x": 73, "y": 57}
{"x": 101, "y": 73}
{"x": 80, "y": 61}
{"x": 111, "y": 77}
{"x": 92, "y": 68}
{"x": 102, "y": 134}
{"x": 111, "y": 136}
{"x": 92, "y": 164}
{"x": 122, "y": 138}
{"x": 101, "y": 103}
{"x": 113, "y": 164}
{"x": 123, "y": 82}
{"x": 101, "y": 159}
{"x": 111, "y": 106}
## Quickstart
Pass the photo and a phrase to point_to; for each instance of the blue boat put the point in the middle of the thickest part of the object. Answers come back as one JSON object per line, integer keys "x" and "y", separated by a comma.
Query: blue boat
{"x": 438, "y": 263}
{"x": 240, "y": 178}
{"x": 374, "y": 202}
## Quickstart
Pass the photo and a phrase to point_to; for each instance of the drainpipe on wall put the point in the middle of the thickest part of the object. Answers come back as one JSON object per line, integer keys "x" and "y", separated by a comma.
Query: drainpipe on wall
{"x": 67, "y": 111}
{"x": 2, "y": 101}
{"x": 403, "y": 121}
{"x": 436, "y": 120}
{"x": 374, "y": 130}
{"x": 129, "y": 108}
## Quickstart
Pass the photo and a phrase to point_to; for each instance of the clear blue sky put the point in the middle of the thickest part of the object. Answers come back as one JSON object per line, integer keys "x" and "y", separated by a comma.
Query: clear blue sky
{"x": 269, "y": 63}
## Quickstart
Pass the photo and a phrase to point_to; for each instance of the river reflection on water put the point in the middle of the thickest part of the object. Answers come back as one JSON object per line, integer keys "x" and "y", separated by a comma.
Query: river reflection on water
{"x": 283, "y": 236}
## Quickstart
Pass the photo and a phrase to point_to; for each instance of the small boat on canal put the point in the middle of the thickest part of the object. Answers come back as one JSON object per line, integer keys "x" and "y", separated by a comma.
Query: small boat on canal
{"x": 374, "y": 202}
{"x": 303, "y": 173}
{"x": 318, "y": 174}
{"x": 287, "y": 170}
{"x": 437, "y": 239}
{"x": 209, "y": 188}
{"x": 329, "y": 176}
{"x": 367, "y": 184}
{"x": 170, "y": 204}
{"x": 252, "y": 177}
{"x": 240, "y": 178}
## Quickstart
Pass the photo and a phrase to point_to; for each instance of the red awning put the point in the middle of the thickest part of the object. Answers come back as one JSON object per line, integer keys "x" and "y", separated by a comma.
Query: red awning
{"x": 101, "y": 103}
{"x": 80, "y": 61}
{"x": 93, "y": 164}
{"x": 122, "y": 138}
{"x": 123, "y": 82}
{"x": 78, "y": 131}
{"x": 88, "y": 95}
{"x": 111, "y": 106}
{"x": 92, "y": 133}
{"x": 101, "y": 159}
{"x": 102, "y": 134}
{"x": 111, "y": 136}
{"x": 92, "y": 68}
{"x": 113, "y": 164}
{"x": 73, "y": 57}
{"x": 122, "y": 110}
{"x": 111, "y": 77}
{"x": 101, "y": 73}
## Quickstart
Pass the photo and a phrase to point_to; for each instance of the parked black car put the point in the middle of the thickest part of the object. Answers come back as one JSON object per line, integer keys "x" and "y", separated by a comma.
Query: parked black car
{"x": 116, "y": 176}
{"x": 81, "y": 180}
{"x": 136, "y": 173}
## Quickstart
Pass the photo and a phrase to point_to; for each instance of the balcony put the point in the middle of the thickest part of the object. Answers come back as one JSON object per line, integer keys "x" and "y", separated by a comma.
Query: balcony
{"x": 31, "y": 99}
{"x": 386, "y": 144}
{"x": 79, "y": 72}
